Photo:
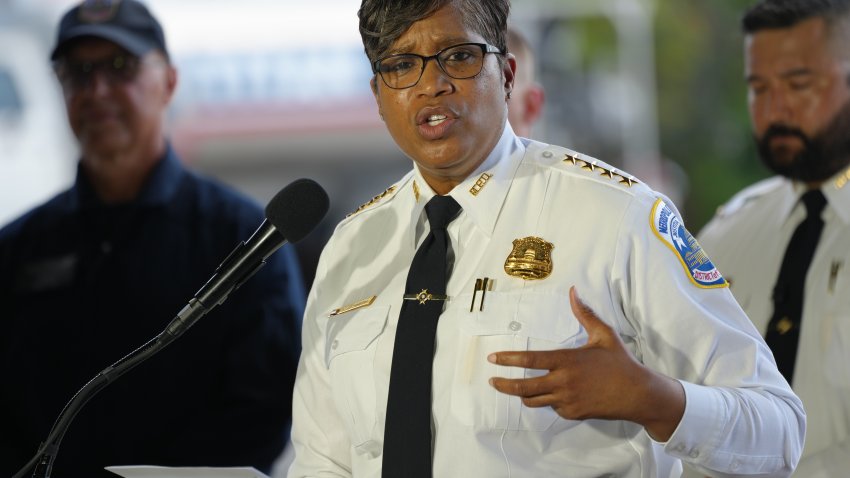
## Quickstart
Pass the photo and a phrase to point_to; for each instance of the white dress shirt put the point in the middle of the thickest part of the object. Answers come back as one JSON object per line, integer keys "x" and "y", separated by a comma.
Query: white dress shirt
{"x": 740, "y": 417}
{"x": 747, "y": 240}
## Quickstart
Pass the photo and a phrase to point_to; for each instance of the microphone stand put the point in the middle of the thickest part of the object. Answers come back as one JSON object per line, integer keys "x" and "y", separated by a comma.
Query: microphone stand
{"x": 43, "y": 459}
{"x": 299, "y": 203}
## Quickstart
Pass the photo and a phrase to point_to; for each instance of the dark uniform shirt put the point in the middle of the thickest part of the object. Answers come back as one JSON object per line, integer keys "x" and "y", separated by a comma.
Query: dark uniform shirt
{"x": 83, "y": 283}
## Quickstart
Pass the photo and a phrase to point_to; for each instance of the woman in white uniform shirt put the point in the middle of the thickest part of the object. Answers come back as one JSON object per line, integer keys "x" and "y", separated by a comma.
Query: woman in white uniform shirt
{"x": 527, "y": 381}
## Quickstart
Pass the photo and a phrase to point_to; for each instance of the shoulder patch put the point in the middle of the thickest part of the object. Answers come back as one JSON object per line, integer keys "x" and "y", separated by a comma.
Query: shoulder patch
{"x": 373, "y": 201}
{"x": 671, "y": 231}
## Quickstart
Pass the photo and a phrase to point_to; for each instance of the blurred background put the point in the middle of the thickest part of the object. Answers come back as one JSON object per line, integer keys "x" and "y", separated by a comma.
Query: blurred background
{"x": 274, "y": 90}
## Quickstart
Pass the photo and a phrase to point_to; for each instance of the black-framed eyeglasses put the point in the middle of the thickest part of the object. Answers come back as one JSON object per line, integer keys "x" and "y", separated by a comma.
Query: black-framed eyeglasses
{"x": 460, "y": 62}
{"x": 120, "y": 69}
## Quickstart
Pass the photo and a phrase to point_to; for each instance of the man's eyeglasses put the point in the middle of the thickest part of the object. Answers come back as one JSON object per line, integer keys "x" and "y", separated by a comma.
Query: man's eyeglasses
{"x": 119, "y": 69}
{"x": 459, "y": 62}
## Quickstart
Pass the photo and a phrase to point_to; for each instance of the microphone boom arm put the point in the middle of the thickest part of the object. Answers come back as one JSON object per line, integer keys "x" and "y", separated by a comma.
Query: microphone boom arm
{"x": 48, "y": 450}
{"x": 291, "y": 214}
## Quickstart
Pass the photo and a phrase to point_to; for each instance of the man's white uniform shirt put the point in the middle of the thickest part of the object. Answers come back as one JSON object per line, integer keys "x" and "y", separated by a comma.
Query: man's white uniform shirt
{"x": 740, "y": 417}
{"x": 747, "y": 241}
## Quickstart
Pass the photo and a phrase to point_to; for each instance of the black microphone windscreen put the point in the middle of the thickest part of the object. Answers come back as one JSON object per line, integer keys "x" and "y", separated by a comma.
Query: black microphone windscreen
{"x": 297, "y": 209}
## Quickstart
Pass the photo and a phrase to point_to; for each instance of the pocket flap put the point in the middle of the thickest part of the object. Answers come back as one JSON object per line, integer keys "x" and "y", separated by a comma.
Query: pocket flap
{"x": 353, "y": 332}
{"x": 539, "y": 315}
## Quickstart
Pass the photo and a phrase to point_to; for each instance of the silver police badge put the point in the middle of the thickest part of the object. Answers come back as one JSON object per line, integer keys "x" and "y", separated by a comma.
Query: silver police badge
{"x": 530, "y": 259}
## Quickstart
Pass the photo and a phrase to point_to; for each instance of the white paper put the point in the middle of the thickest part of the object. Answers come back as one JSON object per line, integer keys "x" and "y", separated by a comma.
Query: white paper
{"x": 145, "y": 471}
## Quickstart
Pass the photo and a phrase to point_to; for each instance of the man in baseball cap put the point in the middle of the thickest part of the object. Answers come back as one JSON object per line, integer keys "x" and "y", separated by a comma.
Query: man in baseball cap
{"x": 128, "y": 24}
{"x": 98, "y": 270}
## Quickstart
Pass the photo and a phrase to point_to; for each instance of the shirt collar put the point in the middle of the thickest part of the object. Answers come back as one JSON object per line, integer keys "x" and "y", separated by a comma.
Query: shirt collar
{"x": 837, "y": 192}
{"x": 159, "y": 188}
{"x": 836, "y": 189}
{"x": 790, "y": 197}
{"x": 482, "y": 193}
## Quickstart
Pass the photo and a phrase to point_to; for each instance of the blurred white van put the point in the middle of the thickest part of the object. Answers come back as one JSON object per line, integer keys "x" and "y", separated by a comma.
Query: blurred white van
{"x": 37, "y": 150}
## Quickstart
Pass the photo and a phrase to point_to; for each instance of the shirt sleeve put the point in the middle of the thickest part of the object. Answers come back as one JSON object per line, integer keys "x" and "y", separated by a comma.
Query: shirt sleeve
{"x": 741, "y": 416}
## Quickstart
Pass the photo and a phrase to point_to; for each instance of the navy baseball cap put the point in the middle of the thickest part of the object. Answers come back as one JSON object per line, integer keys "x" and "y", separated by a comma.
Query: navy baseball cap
{"x": 127, "y": 23}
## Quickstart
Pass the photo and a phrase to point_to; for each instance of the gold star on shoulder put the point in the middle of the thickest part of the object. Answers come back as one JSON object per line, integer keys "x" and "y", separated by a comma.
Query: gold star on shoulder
{"x": 593, "y": 166}
{"x": 588, "y": 166}
{"x": 373, "y": 201}
{"x": 628, "y": 181}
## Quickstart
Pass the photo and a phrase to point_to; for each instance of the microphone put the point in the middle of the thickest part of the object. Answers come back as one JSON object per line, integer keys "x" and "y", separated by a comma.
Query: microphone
{"x": 290, "y": 215}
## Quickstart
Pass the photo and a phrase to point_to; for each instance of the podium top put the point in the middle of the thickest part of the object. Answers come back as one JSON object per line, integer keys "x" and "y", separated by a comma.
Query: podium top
{"x": 146, "y": 471}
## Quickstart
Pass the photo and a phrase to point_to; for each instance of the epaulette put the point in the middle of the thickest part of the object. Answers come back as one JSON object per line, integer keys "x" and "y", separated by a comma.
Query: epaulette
{"x": 388, "y": 193}
{"x": 603, "y": 169}
{"x": 589, "y": 165}
{"x": 748, "y": 194}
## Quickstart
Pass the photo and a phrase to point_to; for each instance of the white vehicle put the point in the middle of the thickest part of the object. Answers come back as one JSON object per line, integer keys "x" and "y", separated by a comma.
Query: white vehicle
{"x": 37, "y": 150}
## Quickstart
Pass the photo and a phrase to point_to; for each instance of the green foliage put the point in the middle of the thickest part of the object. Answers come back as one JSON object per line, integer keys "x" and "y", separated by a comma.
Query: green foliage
{"x": 596, "y": 41}
{"x": 703, "y": 119}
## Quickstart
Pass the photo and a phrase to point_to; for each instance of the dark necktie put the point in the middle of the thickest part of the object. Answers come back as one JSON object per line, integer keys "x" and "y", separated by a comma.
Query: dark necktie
{"x": 407, "y": 435}
{"x": 783, "y": 331}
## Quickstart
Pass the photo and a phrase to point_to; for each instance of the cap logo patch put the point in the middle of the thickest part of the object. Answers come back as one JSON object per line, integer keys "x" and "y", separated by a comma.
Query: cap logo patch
{"x": 671, "y": 231}
{"x": 98, "y": 11}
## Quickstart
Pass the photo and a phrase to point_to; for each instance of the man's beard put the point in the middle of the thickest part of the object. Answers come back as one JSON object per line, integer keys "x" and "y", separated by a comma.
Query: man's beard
{"x": 821, "y": 157}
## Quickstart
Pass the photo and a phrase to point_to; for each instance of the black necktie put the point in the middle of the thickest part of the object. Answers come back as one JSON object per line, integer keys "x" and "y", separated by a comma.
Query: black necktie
{"x": 407, "y": 435}
{"x": 783, "y": 331}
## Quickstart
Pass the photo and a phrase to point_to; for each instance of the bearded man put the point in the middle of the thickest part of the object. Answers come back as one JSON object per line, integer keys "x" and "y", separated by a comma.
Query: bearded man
{"x": 784, "y": 243}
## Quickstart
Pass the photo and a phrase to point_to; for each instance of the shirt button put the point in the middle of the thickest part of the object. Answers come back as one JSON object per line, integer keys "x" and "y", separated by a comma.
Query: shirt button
{"x": 694, "y": 453}
{"x": 547, "y": 154}
{"x": 515, "y": 326}
{"x": 736, "y": 464}
{"x": 335, "y": 344}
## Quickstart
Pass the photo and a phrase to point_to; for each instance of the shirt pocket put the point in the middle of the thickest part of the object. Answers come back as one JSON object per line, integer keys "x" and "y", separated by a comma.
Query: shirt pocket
{"x": 350, "y": 345}
{"x": 510, "y": 321}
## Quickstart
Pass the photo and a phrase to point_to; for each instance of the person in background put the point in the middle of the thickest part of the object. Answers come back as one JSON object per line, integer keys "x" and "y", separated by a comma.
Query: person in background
{"x": 525, "y": 105}
{"x": 784, "y": 242}
{"x": 456, "y": 329}
{"x": 98, "y": 270}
